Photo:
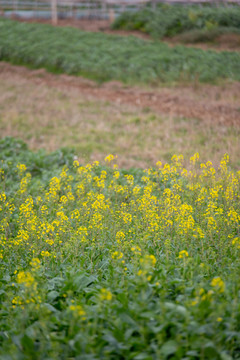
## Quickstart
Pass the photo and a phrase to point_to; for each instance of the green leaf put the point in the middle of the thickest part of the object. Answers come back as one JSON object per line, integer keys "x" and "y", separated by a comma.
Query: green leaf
{"x": 169, "y": 348}
{"x": 225, "y": 356}
{"x": 52, "y": 295}
{"x": 50, "y": 307}
{"x": 210, "y": 351}
{"x": 27, "y": 344}
{"x": 143, "y": 356}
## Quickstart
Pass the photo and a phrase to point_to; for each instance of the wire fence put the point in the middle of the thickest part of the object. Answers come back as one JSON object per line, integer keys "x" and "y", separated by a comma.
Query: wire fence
{"x": 90, "y": 9}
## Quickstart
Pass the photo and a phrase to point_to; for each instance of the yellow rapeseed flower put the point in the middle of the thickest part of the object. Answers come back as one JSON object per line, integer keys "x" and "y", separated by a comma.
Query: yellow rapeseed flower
{"x": 45, "y": 254}
{"x": 78, "y": 311}
{"x": 218, "y": 284}
{"x": 21, "y": 168}
{"x": 109, "y": 158}
{"x": 35, "y": 263}
{"x": 183, "y": 254}
{"x": 25, "y": 278}
{"x": 105, "y": 294}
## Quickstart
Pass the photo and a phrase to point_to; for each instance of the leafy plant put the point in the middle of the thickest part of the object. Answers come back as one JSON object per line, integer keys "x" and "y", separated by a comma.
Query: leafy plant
{"x": 171, "y": 20}
{"x": 68, "y": 50}
{"x": 102, "y": 263}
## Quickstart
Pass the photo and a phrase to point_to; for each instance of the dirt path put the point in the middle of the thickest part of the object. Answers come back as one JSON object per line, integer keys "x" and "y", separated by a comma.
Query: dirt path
{"x": 215, "y": 104}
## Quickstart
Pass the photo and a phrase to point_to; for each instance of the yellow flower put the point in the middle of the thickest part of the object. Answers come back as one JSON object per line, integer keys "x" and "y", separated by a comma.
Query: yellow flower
{"x": 75, "y": 163}
{"x": 116, "y": 174}
{"x": 25, "y": 278}
{"x": 183, "y": 254}
{"x": 219, "y": 319}
{"x": 194, "y": 302}
{"x": 78, "y": 311}
{"x": 117, "y": 255}
{"x": 219, "y": 284}
{"x": 45, "y": 254}
{"x": 17, "y": 301}
{"x": 110, "y": 158}
{"x": 201, "y": 291}
{"x": 105, "y": 294}
{"x": 35, "y": 263}
{"x": 236, "y": 242}
{"x": 152, "y": 259}
{"x": 194, "y": 159}
{"x": 120, "y": 236}
{"x": 21, "y": 168}
{"x": 50, "y": 242}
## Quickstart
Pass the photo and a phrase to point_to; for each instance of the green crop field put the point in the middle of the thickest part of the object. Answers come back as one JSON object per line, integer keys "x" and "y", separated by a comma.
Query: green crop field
{"x": 101, "y": 263}
{"x": 169, "y": 20}
{"x": 132, "y": 60}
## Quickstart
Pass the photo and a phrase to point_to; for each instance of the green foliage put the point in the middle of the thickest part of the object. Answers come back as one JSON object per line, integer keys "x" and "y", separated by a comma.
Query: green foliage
{"x": 39, "y": 164}
{"x": 171, "y": 20}
{"x": 101, "y": 263}
{"x": 205, "y": 35}
{"x": 68, "y": 50}
{"x": 16, "y": 150}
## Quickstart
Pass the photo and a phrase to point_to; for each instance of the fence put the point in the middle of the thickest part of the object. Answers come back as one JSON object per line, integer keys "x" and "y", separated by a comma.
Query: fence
{"x": 100, "y": 9}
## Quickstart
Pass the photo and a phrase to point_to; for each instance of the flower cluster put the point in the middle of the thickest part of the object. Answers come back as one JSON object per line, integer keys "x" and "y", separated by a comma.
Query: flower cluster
{"x": 94, "y": 242}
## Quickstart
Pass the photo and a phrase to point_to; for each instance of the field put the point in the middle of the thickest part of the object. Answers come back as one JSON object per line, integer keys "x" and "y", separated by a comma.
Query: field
{"x": 68, "y": 50}
{"x": 102, "y": 263}
{"x": 189, "y": 23}
{"x": 141, "y": 125}
{"x": 119, "y": 201}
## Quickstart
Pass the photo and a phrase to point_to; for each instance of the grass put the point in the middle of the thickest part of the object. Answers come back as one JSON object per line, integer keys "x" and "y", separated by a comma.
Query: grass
{"x": 98, "y": 262}
{"x": 50, "y": 117}
{"x": 131, "y": 60}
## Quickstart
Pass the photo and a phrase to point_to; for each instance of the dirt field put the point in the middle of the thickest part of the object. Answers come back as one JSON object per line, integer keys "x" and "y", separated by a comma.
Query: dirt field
{"x": 141, "y": 125}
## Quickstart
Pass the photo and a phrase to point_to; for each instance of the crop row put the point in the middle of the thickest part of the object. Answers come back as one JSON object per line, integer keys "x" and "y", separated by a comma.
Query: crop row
{"x": 170, "y": 20}
{"x": 105, "y": 57}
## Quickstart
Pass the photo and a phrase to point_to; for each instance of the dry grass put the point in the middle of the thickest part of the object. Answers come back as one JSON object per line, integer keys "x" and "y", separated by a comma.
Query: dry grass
{"x": 51, "y": 116}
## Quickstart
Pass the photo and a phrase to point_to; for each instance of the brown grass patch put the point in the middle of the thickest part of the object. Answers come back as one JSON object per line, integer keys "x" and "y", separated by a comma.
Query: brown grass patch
{"x": 141, "y": 125}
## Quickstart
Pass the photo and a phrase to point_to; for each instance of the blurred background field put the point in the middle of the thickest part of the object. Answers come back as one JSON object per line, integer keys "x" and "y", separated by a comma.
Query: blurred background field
{"x": 143, "y": 99}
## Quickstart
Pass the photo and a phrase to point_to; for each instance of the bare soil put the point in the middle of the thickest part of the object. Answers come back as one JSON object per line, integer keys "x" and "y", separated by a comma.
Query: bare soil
{"x": 140, "y": 125}
{"x": 208, "y": 103}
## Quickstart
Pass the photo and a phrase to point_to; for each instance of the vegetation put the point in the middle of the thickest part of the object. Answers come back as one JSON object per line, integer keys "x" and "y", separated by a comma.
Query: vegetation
{"x": 171, "y": 20}
{"x": 71, "y": 51}
{"x": 101, "y": 263}
{"x": 208, "y": 36}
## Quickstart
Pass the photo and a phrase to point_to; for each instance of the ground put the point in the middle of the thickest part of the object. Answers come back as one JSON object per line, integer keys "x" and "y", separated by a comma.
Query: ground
{"x": 141, "y": 125}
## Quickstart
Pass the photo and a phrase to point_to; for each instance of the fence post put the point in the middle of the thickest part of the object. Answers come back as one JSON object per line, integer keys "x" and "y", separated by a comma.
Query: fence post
{"x": 15, "y": 7}
{"x": 111, "y": 15}
{"x": 54, "y": 12}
